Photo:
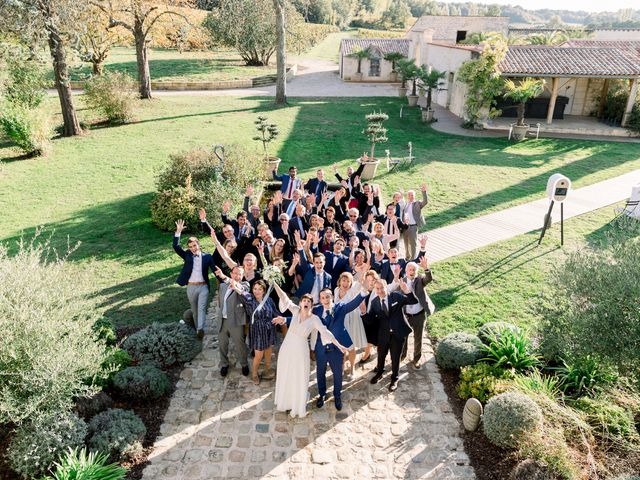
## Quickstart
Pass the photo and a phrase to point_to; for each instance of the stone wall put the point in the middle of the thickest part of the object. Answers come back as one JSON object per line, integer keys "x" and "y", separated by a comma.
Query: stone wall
{"x": 445, "y": 28}
{"x": 622, "y": 34}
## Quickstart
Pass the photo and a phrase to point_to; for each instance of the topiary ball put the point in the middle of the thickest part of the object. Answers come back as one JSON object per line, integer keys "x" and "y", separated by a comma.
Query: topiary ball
{"x": 118, "y": 433}
{"x": 144, "y": 382}
{"x": 458, "y": 350}
{"x": 492, "y": 330}
{"x": 163, "y": 344}
{"x": 87, "y": 407}
{"x": 36, "y": 445}
{"x": 509, "y": 417}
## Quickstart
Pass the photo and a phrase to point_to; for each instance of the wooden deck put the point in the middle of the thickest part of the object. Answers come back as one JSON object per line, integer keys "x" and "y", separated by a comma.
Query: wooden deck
{"x": 459, "y": 238}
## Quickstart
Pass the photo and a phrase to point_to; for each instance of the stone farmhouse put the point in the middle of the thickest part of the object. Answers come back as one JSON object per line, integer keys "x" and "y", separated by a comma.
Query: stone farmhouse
{"x": 578, "y": 73}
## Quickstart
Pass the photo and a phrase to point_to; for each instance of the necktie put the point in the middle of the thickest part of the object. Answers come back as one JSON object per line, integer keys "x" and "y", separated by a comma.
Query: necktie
{"x": 385, "y": 309}
{"x": 290, "y": 187}
{"x": 302, "y": 232}
{"x": 388, "y": 227}
{"x": 292, "y": 206}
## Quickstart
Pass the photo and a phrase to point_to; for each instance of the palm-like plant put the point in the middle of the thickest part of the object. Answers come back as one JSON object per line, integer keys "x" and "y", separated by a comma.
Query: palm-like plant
{"x": 393, "y": 57}
{"x": 549, "y": 38}
{"x": 522, "y": 92}
{"x": 430, "y": 81}
{"x": 360, "y": 55}
{"x": 409, "y": 71}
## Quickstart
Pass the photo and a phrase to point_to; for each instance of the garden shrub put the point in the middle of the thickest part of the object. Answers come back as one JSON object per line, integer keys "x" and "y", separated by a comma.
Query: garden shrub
{"x": 80, "y": 465}
{"x": 590, "y": 306}
{"x": 117, "y": 433}
{"x": 163, "y": 344}
{"x": 610, "y": 422}
{"x": 106, "y": 330}
{"x": 37, "y": 444}
{"x": 25, "y": 84}
{"x": 493, "y": 330}
{"x": 536, "y": 383}
{"x": 458, "y": 349}
{"x": 48, "y": 340}
{"x": 509, "y": 418}
{"x": 510, "y": 349}
{"x": 117, "y": 361}
{"x": 113, "y": 94}
{"x": 197, "y": 179}
{"x": 88, "y": 407}
{"x": 480, "y": 381}
{"x": 28, "y": 129}
{"x": 144, "y": 382}
{"x": 584, "y": 376}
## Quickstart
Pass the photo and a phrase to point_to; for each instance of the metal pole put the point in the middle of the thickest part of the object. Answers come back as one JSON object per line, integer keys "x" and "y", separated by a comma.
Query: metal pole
{"x": 562, "y": 223}
{"x": 547, "y": 222}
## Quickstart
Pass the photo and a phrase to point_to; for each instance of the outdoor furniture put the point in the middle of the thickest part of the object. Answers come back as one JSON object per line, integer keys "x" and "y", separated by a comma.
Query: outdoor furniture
{"x": 394, "y": 162}
{"x": 534, "y": 108}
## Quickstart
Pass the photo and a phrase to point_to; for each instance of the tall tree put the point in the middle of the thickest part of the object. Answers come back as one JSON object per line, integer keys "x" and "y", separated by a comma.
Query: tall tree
{"x": 35, "y": 20}
{"x": 139, "y": 17}
{"x": 281, "y": 52}
{"x": 94, "y": 39}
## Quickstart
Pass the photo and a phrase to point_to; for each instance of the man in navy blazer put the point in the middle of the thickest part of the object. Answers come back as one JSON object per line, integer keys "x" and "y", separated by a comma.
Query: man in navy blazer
{"x": 290, "y": 182}
{"x": 332, "y": 316}
{"x": 336, "y": 262}
{"x": 387, "y": 266}
{"x": 315, "y": 279}
{"x": 317, "y": 186}
{"x": 387, "y": 315}
{"x": 195, "y": 275}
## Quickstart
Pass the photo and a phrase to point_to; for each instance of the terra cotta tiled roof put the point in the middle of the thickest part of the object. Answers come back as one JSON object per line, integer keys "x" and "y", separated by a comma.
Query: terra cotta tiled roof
{"x": 630, "y": 45}
{"x": 549, "y": 61}
{"x": 385, "y": 45}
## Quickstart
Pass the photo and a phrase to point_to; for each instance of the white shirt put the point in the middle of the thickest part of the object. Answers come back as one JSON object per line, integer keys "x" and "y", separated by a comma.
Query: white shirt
{"x": 196, "y": 272}
{"x": 416, "y": 307}
{"x": 408, "y": 210}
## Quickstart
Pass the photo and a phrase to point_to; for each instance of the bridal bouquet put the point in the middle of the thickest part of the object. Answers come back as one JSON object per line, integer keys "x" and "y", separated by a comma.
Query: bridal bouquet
{"x": 272, "y": 274}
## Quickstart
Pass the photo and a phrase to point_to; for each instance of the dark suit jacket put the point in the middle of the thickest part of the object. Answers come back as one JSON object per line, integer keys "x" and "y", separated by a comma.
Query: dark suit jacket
{"x": 316, "y": 187}
{"x": 187, "y": 268}
{"x": 294, "y": 226}
{"x": 394, "y": 320}
{"x": 309, "y": 278}
{"x": 342, "y": 265}
{"x": 419, "y": 285}
{"x": 335, "y": 322}
{"x": 386, "y": 271}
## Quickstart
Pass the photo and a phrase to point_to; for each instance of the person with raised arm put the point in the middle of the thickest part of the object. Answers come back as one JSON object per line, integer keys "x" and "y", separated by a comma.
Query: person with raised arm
{"x": 294, "y": 366}
{"x": 195, "y": 275}
{"x": 413, "y": 219}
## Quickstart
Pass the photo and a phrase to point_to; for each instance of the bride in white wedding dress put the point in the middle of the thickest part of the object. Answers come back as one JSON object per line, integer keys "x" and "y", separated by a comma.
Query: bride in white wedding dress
{"x": 292, "y": 378}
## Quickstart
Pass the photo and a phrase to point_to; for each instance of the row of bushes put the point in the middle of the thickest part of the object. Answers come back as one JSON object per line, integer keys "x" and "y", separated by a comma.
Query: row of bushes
{"x": 61, "y": 354}
{"x": 549, "y": 413}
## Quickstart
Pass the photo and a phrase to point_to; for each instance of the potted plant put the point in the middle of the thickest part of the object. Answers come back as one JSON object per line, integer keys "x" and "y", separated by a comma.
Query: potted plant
{"x": 409, "y": 72}
{"x": 406, "y": 68}
{"x": 430, "y": 81}
{"x": 393, "y": 57}
{"x": 360, "y": 55}
{"x": 268, "y": 133}
{"x": 375, "y": 133}
{"x": 521, "y": 93}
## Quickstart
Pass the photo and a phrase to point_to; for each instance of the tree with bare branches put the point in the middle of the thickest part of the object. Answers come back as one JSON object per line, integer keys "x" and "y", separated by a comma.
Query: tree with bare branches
{"x": 139, "y": 17}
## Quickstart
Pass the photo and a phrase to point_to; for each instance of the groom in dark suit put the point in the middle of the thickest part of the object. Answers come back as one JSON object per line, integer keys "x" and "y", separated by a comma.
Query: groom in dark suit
{"x": 195, "y": 275}
{"x": 333, "y": 318}
{"x": 386, "y": 311}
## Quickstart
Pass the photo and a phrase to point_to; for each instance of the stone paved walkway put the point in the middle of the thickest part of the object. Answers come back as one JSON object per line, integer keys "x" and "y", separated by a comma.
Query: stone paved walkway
{"x": 228, "y": 428}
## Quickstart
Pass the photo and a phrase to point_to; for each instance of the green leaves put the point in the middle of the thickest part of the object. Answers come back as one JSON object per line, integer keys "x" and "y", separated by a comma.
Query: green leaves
{"x": 510, "y": 349}
{"x": 80, "y": 465}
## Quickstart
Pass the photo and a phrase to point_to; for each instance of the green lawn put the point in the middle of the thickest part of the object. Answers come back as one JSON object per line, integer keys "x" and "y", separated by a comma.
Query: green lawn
{"x": 96, "y": 189}
{"x": 329, "y": 48}
{"x": 502, "y": 282}
{"x": 172, "y": 66}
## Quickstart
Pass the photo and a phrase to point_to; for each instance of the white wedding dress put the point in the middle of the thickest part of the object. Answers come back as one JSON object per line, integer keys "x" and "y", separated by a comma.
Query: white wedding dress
{"x": 292, "y": 379}
{"x": 353, "y": 320}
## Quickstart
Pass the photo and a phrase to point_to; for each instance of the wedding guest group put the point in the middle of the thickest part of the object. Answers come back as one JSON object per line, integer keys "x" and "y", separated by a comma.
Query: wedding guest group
{"x": 324, "y": 272}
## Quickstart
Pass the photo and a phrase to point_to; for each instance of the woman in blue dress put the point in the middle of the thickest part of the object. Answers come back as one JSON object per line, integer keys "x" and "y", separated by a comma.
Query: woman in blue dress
{"x": 262, "y": 334}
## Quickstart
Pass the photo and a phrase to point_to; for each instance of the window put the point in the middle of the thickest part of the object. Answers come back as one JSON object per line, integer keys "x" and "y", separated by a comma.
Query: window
{"x": 374, "y": 64}
{"x": 461, "y": 35}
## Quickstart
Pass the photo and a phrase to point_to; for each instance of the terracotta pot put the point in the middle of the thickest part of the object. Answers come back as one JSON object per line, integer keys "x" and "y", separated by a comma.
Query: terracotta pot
{"x": 271, "y": 164}
{"x": 370, "y": 168}
{"x": 402, "y": 92}
{"x": 427, "y": 115}
{"x": 413, "y": 100}
{"x": 519, "y": 132}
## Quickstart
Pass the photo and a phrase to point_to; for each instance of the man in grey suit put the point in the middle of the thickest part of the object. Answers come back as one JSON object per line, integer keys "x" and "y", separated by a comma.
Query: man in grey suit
{"x": 418, "y": 313}
{"x": 232, "y": 318}
{"x": 412, "y": 217}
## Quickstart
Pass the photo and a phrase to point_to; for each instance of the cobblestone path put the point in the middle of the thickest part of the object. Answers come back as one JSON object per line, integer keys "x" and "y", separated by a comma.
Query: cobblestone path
{"x": 229, "y": 428}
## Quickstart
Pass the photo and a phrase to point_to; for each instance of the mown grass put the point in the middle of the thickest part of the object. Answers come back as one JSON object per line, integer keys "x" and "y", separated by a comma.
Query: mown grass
{"x": 172, "y": 66}
{"x": 502, "y": 282}
{"x": 96, "y": 189}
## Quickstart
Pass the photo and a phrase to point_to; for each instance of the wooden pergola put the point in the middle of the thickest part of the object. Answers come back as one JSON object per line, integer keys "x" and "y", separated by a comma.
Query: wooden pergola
{"x": 555, "y": 63}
